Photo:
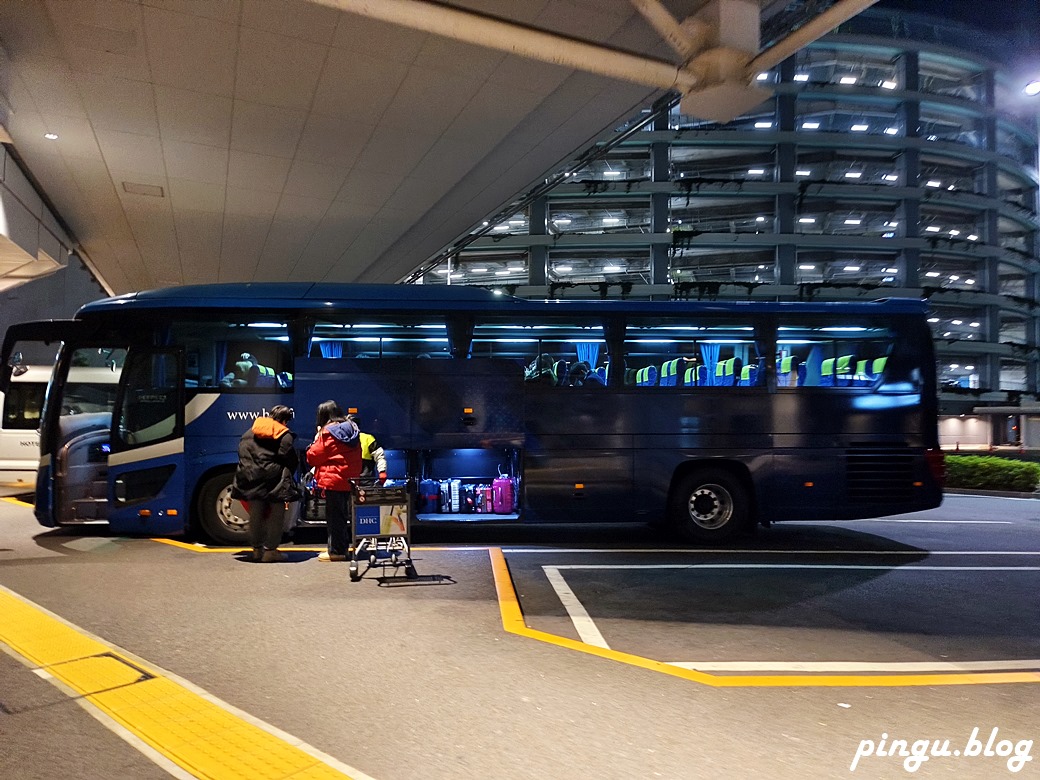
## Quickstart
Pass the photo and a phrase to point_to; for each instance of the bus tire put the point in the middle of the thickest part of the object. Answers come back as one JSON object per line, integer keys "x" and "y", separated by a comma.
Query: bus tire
{"x": 710, "y": 505}
{"x": 221, "y": 518}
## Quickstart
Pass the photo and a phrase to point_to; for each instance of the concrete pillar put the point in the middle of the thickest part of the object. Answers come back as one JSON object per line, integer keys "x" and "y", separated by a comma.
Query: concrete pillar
{"x": 659, "y": 212}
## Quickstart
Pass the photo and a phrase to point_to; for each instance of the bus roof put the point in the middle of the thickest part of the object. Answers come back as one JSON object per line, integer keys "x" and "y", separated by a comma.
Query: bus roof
{"x": 311, "y": 296}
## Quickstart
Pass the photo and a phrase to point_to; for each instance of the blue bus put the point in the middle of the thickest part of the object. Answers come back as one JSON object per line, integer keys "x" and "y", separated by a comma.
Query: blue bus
{"x": 710, "y": 417}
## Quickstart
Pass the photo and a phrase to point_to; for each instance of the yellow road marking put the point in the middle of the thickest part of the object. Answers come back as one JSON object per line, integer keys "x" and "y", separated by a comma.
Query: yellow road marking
{"x": 12, "y": 500}
{"x": 513, "y": 622}
{"x": 187, "y": 728}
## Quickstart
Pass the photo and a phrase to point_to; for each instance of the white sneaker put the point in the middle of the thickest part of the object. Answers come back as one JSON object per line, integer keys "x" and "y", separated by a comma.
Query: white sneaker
{"x": 327, "y": 556}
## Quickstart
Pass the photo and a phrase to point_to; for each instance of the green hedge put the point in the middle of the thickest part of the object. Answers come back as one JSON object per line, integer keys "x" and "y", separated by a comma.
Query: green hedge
{"x": 986, "y": 472}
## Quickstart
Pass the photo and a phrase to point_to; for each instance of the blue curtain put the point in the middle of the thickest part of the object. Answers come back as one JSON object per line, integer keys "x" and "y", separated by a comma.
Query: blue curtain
{"x": 588, "y": 351}
{"x": 710, "y": 356}
{"x": 814, "y": 366}
{"x": 331, "y": 349}
{"x": 221, "y": 355}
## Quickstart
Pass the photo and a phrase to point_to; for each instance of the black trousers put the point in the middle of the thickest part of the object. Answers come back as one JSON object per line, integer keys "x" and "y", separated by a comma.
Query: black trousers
{"x": 337, "y": 518}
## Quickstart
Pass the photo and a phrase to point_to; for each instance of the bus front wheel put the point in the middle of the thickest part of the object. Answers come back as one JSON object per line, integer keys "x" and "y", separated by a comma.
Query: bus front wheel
{"x": 710, "y": 505}
{"x": 221, "y": 517}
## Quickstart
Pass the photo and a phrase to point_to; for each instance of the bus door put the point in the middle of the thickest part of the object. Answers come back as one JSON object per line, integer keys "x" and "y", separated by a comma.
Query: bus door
{"x": 146, "y": 484}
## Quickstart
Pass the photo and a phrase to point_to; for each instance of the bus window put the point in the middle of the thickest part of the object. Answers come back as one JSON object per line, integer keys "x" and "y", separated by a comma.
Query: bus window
{"x": 399, "y": 336}
{"x": 151, "y": 404}
{"x": 235, "y": 355}
{"x": 816, "y": 354}
{"x": 23, "y": 404}
{"x": 556, "y": 352}
{"x": 692, "y": 353}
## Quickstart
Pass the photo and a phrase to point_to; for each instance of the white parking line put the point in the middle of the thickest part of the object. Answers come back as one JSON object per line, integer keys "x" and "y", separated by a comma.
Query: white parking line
{"x": 855, "y": 666}
{"x": 591, "y": 635}
{"x": 869, "y": 567}
{"x": 720, "y": 551}
{"x": 583, "y": 623}
{"x": 940, "y": 522}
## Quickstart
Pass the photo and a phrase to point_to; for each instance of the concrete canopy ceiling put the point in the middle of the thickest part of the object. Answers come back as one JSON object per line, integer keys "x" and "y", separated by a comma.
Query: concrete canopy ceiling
{"x": 264, "y": 140}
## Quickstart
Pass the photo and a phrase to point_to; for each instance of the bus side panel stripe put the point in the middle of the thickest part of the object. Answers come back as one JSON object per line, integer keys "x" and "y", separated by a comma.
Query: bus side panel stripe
{"x": 198, "y": 406}
{"x": 171, "y": 447}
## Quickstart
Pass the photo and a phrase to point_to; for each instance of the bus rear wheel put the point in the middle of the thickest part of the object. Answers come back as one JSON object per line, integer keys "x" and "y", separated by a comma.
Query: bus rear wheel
{"x": 710, "y": 505}
{"x": 222, "y": 518}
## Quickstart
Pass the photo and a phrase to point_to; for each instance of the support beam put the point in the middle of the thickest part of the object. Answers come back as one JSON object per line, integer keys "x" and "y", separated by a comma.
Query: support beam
{"x": 516, "y": 38}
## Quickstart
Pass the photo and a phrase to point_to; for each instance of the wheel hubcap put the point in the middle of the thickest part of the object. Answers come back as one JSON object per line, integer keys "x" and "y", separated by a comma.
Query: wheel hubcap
{"x": 711, "y": 506}
{"x": 230, "y": 511}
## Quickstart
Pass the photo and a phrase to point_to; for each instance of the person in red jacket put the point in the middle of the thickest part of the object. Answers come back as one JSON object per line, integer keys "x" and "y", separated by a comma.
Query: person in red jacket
{"x": 335, "y": 454}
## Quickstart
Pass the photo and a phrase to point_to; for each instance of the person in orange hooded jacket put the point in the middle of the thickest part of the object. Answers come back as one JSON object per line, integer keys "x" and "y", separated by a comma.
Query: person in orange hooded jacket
{"x": 335, "y": 454}
{"x": 265, "y": 480}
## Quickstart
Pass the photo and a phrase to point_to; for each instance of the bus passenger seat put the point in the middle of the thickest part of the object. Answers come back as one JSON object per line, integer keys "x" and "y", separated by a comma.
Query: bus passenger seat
{"x": 790, "y": 372}
{"x": 878, "y": 368}
{"x": 646, "y": 376}
{"x": 669, "y": 373}
{"x": 749, "y": 376}
{"x": 827, "y": 373}
{"x": 843, "y": 370}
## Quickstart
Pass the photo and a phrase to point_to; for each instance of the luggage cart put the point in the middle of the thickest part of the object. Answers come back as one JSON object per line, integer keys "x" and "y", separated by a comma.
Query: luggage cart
{"x": 381, "y": 528}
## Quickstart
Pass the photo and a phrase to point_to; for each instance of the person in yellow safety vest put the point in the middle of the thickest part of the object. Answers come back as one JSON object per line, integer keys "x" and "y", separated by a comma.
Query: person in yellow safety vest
{"x": 373, "y": 459}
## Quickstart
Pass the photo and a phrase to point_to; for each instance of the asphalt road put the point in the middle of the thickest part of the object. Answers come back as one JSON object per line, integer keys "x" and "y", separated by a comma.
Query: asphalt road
{"x": 421, "y": 680}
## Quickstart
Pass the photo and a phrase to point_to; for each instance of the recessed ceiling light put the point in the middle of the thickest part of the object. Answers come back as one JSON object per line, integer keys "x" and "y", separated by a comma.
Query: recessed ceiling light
{"x": 860, "y": 128}
{"x": 891, "y": 177}
{"x": 806, "y": 267}
{"x": 847, "y": 80}
{"x": 888, "y": 85}
{"x": 611, "y": 269}
{"x": 932, "y": 229}
{"x": 853, "y": 174}
{"x": 763, "y": 125}
{"x": 611, "y": 173}
{"x": 891, "y": 131}
{"x": 810, "y": 125}
{"x": 852, "y": 268}
{"x": 563, "y": 268}
{"x": 756, "y": 171}
{"x": 151, "y": 190}
{"x": 803, "y": 173}
{"x": 854, "y": 221}
{"x": 561, "y": 221}
{"x": 611, "y": 220}
{"x": 801, "y": 76}
{"x": 51, "y": 136}
{"x": 933, "y": 183}
{"x": 933, "y": 275}
{"x": 807, "y": 220}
